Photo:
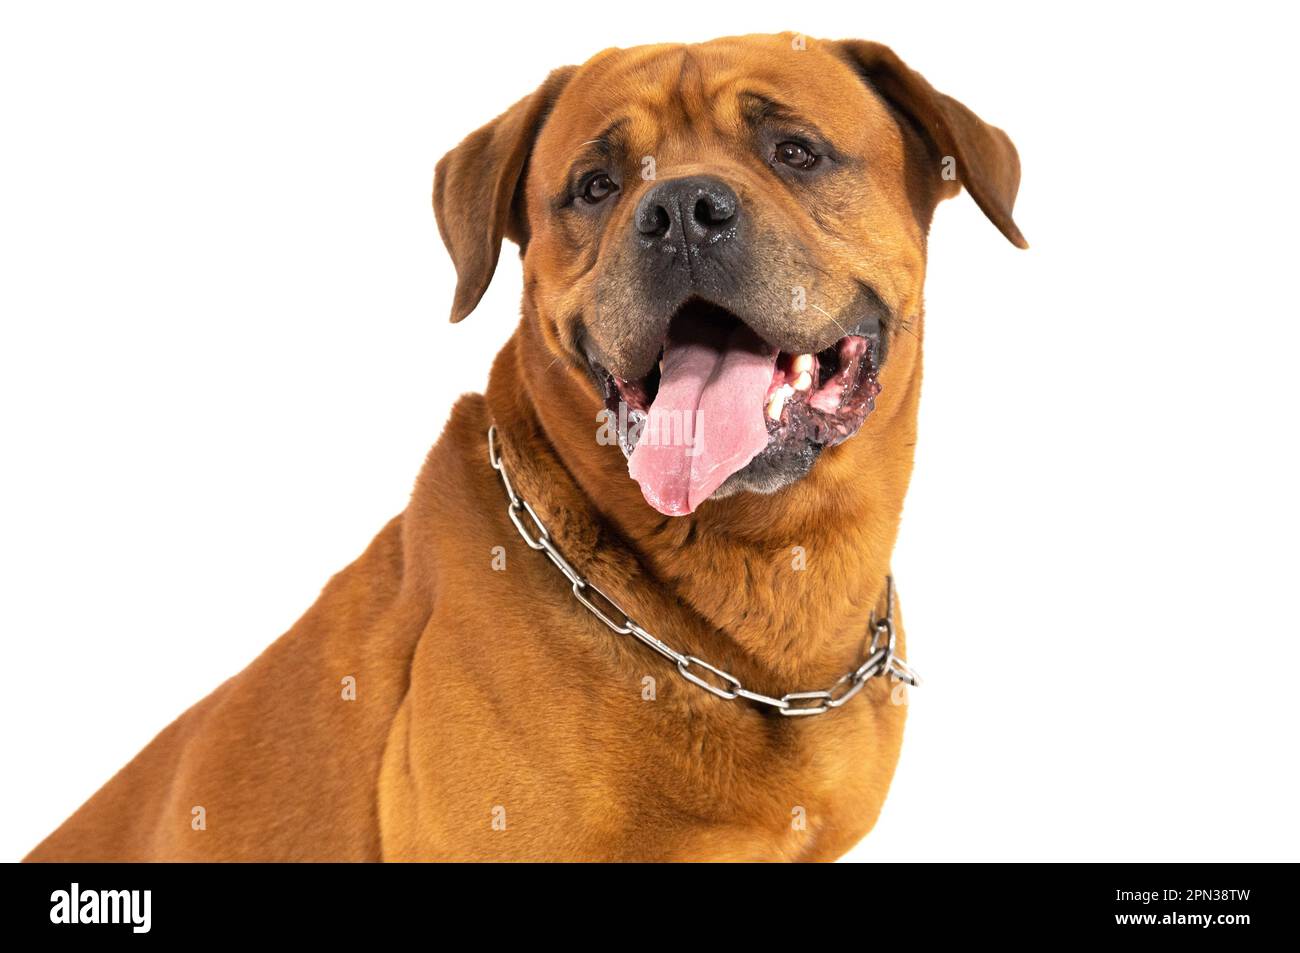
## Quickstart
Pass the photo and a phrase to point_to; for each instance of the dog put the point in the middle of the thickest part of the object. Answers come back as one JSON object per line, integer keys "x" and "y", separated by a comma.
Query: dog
{"x": 639, "y": 606}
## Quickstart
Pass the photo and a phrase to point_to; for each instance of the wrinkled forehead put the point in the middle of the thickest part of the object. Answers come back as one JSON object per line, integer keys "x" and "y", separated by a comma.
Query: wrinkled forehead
{"x": 645, "y": 100}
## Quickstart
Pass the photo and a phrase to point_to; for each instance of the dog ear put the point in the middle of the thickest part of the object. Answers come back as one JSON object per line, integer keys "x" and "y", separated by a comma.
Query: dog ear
{"x": 986, "y": 160}
{"x": 478, "y": 191}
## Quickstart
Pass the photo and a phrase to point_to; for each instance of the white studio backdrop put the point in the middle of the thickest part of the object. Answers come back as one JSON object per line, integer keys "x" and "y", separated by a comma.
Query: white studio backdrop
{"x": 225, "y": 353}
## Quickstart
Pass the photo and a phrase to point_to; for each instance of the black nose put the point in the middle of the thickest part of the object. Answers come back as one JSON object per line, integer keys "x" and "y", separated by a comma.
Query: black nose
{"x": 698, "y": 209}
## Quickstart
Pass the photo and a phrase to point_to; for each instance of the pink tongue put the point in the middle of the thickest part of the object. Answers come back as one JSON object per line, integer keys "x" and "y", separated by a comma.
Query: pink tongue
{"x": 707, "y": 420}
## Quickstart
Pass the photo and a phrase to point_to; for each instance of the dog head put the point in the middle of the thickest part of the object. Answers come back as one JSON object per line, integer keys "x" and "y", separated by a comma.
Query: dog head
{"x": 725, "y": 242}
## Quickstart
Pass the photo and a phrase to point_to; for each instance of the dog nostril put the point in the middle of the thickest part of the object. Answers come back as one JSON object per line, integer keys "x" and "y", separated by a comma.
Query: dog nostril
{"x": 711, "y": 212}
{"x": 654, "y": 221}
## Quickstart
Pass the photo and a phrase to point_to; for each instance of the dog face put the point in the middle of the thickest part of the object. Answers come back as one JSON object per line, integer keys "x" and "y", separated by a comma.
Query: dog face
{"x": 726, "y": 239}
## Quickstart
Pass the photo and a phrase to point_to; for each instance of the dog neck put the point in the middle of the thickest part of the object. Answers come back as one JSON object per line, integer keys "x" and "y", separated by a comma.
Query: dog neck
{"x": 788, "y": 581}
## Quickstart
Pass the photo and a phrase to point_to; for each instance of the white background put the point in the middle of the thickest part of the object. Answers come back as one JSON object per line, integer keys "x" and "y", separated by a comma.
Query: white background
{"x": 225, "y": 354}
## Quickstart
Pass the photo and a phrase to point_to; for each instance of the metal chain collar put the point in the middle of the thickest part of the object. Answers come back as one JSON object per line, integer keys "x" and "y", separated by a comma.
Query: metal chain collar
{"x": 881, "y": 659}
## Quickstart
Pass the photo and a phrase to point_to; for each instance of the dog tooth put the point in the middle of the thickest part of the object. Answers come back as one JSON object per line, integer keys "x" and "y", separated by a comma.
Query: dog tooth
{"x": 775, "y": 405}
{"x": 803, "y": 363}
{"x": 803, "y": 381}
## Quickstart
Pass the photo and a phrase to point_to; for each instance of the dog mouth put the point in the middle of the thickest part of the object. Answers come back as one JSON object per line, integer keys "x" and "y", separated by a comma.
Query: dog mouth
{"x": 720, "y": 399}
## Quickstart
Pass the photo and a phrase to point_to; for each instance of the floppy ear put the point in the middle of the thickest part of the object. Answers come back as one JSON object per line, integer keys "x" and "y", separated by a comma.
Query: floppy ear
{"x": 478, "y": 191}
{"x": 986, "y": 161}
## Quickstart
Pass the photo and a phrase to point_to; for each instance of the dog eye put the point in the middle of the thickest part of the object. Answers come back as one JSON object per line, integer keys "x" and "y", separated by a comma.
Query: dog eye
{"x": 795, "y": 156}
{"x": 598, "y": 188}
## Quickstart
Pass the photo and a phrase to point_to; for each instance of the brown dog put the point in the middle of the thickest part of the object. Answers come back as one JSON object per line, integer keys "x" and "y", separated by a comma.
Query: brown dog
{"x": 729, "y": 238}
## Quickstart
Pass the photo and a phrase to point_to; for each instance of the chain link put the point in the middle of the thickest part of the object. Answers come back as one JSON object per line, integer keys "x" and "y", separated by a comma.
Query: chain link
{"x": 881, "y": 658}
